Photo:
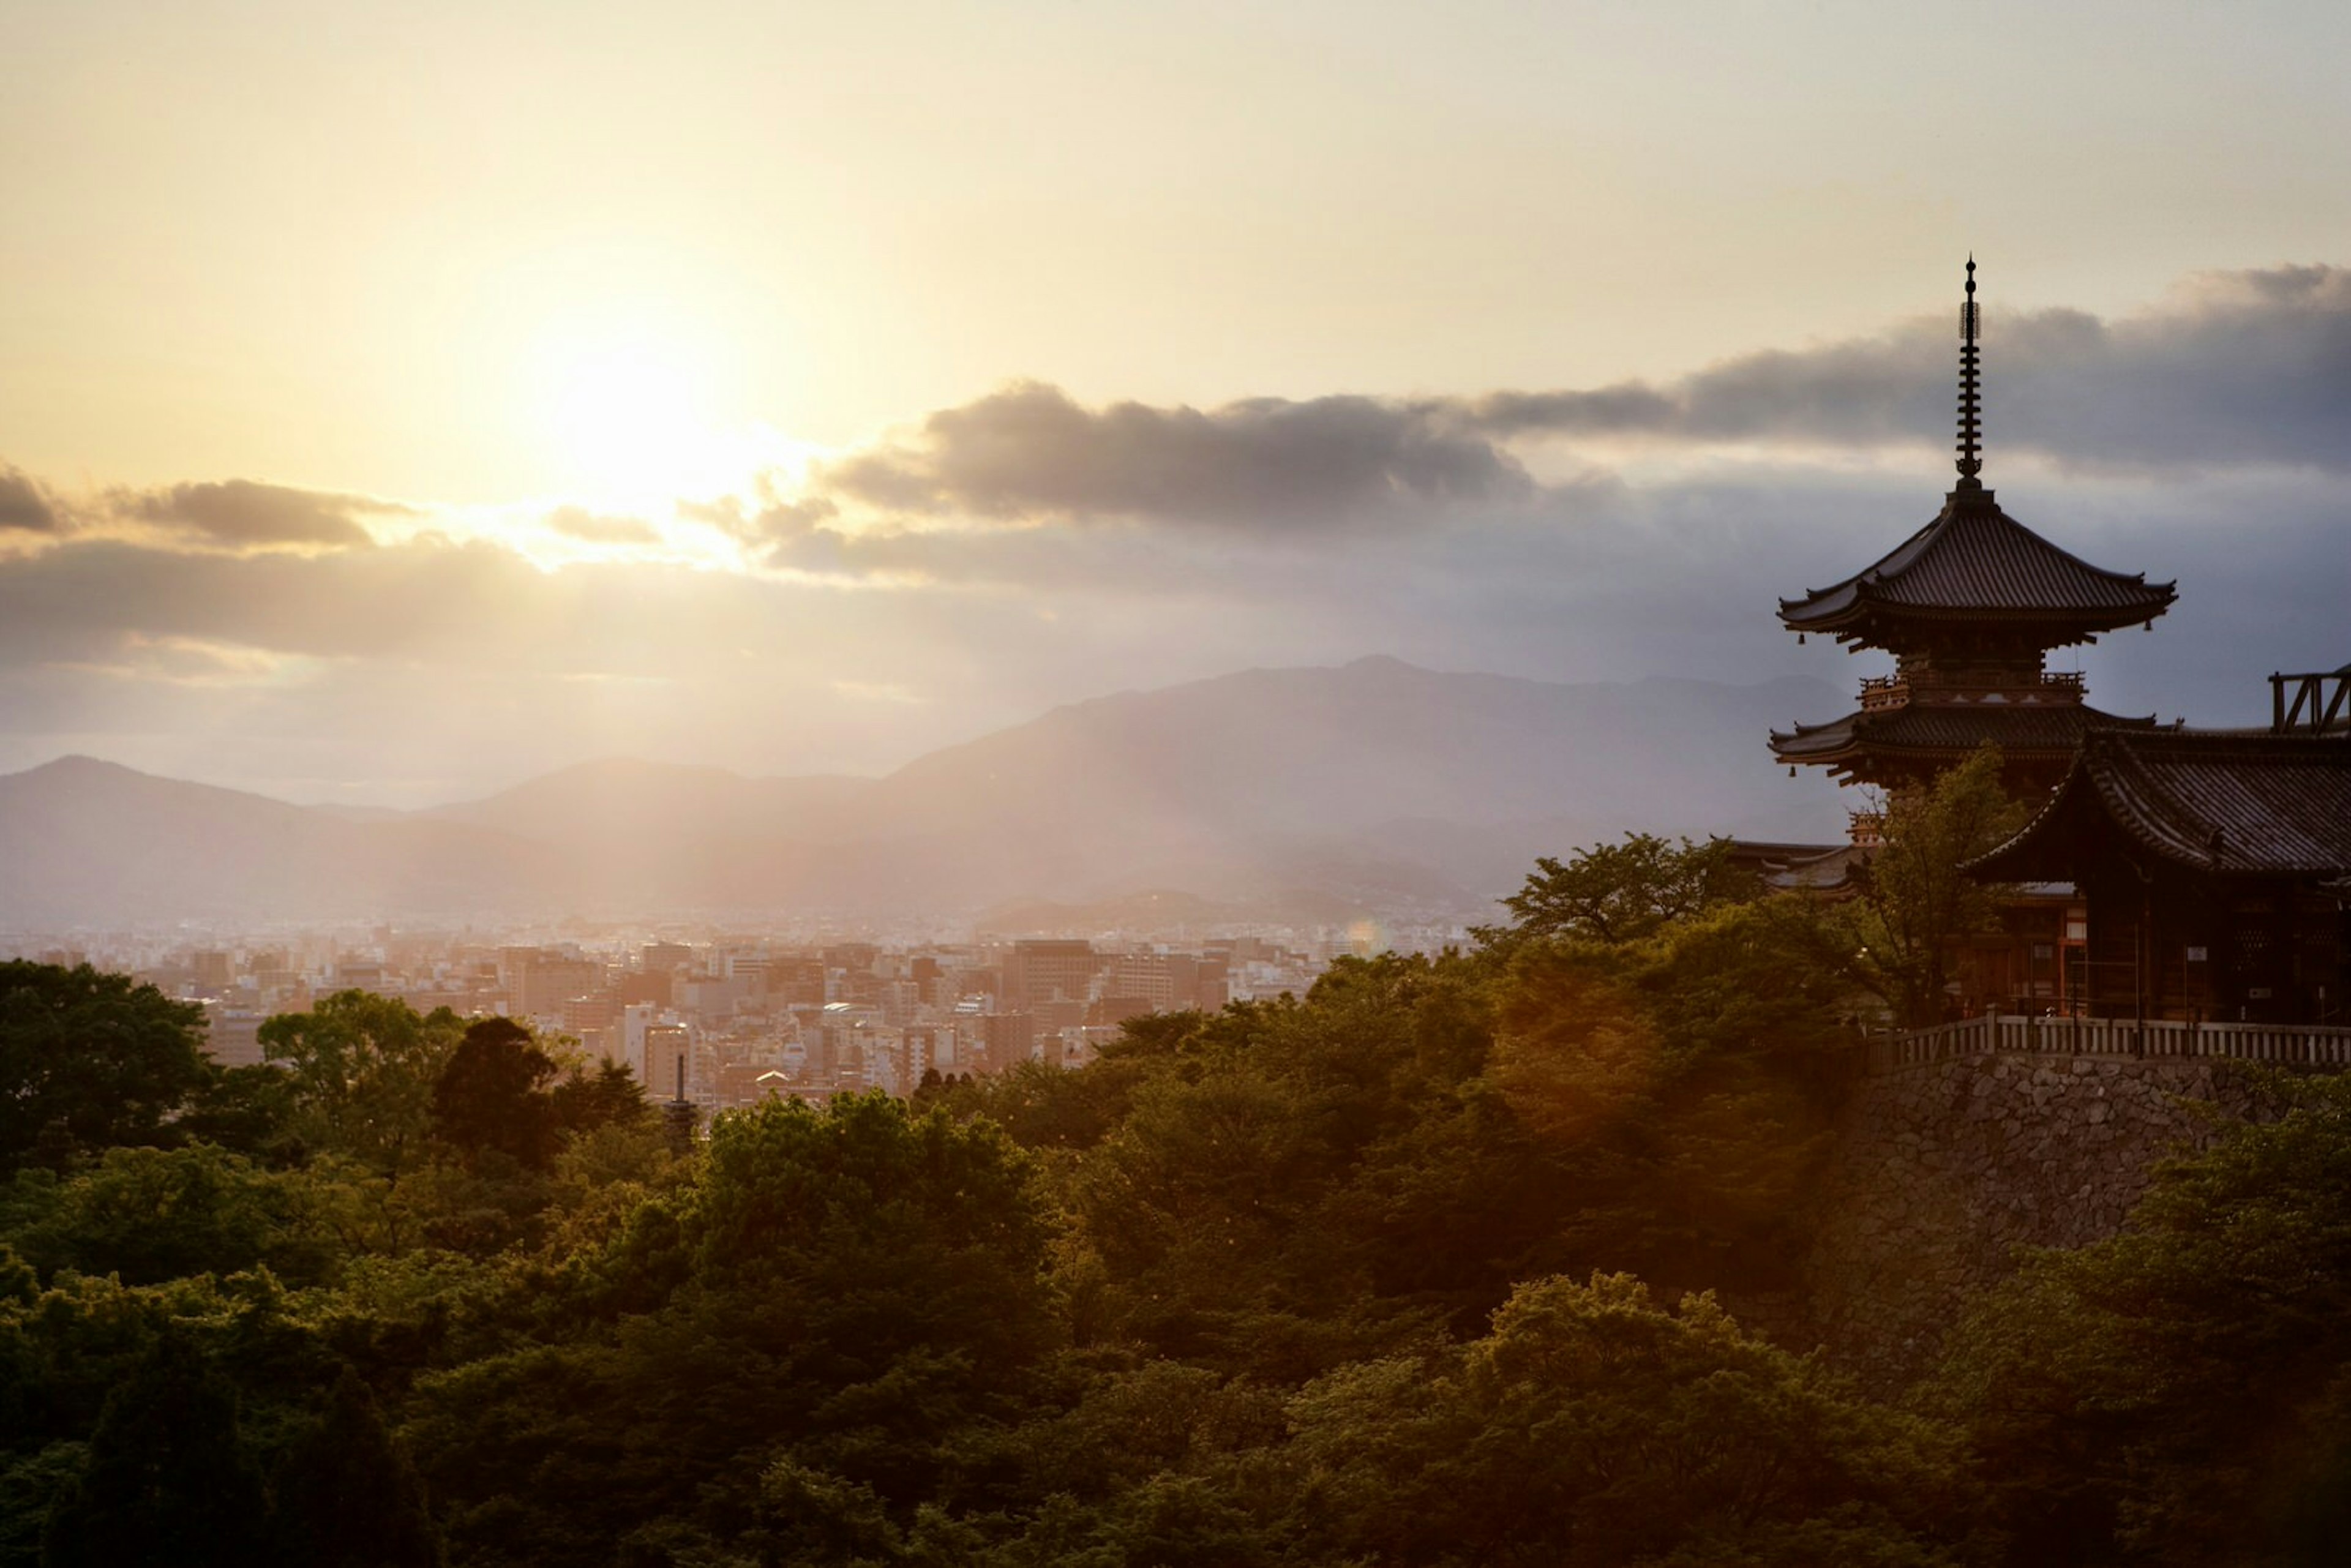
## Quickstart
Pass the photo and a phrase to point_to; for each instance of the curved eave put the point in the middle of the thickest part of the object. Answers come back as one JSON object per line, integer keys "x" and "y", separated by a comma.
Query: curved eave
{"x": 1861, "y": 734}
{"x": 1973, "y": 561}
{"x": 2121, "y": 778}
{"x": 2229, "y": 805}
{"x": 1860, "y": 616}
{"x": 2030, "y": 853}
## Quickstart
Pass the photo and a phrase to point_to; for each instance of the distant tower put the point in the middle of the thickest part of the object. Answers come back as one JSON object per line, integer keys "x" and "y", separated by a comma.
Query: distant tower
{"x": 678, "y": 1116}
{"x": 1970, "y": 606}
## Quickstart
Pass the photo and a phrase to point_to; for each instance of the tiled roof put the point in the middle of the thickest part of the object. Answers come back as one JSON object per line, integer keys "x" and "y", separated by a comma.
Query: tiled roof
{"x": 1817, "y": 868}
{"x": 2034, "y": 727}
{"x": 2217, "y": 801}
{"x": 1975, "y": 561}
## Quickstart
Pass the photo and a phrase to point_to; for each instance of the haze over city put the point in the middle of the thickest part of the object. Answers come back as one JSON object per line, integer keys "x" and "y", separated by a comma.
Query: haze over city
{"x": 403, "y": 402}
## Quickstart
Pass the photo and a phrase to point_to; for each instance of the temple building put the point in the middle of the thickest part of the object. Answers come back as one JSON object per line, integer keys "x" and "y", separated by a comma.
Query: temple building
{"x": 2169, "y": 873}
{"x": 1970, "y": 606}
{"x": 2213, "y": 867}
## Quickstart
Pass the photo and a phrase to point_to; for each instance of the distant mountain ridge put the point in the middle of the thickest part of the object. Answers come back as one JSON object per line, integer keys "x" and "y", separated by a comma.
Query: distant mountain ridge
{"x": 1376, "y": 782}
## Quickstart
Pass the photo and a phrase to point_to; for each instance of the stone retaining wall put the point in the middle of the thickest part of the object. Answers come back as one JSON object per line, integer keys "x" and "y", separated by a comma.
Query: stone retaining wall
{"x": 1940, "y": 1172}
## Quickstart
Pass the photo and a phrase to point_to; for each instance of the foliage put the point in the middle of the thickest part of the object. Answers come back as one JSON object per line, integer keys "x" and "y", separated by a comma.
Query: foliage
{"x": 861, "y": 1285}
{"x": 1294, "y": 1183}
{"x": 364, "y": 1068}
{"x": 1592, "y": 1426}
{"x": 1289, "y": 1284}
{"x": 347, "y": 1496}
{"x": 1683, "y": 1080}
{"x": 2182, "y": 1392}
{"x": 90, "y": 1060}
{"x": 249, "y": 1111}
{"x": 492, "y": 1097}
{"x": 168, "y": 1477}
{"x": 153, "y": 1215}
{"x": 587, "y": 1102}
{"x": 1623, "y": 892}
{"x": 1915, "y": 899}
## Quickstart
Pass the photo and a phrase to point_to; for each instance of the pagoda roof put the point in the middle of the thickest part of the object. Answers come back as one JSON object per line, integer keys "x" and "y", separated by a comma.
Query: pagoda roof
{"x": 2219, "y": 802}
{"x": 1975, "y": 562}
{"x": 1940, "y": 730}
{"x": 1814, "y": 868}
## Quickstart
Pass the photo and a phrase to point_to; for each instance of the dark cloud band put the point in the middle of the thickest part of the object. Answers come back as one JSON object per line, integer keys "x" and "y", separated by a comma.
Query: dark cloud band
{"x": 1031, "y": 453}
{"x": 242, "y": 512}
{"x": 2243, "y": 368}
{"x": 24, "y": 506}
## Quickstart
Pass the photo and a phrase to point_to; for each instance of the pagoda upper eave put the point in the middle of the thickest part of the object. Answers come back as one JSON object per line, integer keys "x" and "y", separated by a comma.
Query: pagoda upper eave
{"x": 1975, "y": 564}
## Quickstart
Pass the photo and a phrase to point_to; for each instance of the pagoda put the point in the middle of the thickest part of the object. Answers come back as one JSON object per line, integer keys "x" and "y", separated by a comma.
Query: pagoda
{"x": 1970, "y": 606}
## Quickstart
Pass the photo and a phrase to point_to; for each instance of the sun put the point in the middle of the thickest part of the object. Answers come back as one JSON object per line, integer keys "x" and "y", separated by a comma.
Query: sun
{"x": 628, "y": 415}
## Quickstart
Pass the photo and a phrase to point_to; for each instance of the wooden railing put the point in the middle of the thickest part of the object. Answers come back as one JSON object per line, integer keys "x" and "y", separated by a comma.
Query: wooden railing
{"x": 1880, "y": 693}
{"x": 2283, "y": 1045}
{"x": 2310, "y": 707}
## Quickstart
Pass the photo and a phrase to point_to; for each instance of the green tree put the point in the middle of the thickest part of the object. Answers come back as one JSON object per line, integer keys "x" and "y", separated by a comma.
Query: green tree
{"x": 168, "y": 1477}
{"x": 857, "y": 1290}
{"x": 611, "y": 1096}
{"x": 1621, "y": 893}
{"x": 249, "y": 1110}
{"x": 492, "y": 1095}
{"x": 92, "y": 1058}
{"x": 29, "y": 1482}
{"x": 153, "y": 1215}
{"x": 1285, "y": 1186}
{"x": 2182, "y": 1392}
{"x": 347, "y": 1496}
{"x": 1684, "y": 1082}
{"x": 363, "y": 1069}
{"x": 1916, "y": 902}
{"x": 1592, "y": 1426}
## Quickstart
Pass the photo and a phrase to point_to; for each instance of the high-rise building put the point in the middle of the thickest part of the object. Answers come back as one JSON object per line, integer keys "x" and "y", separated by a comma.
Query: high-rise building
{"x": 1038, "y": 970}
{"x": 1004, "y": 1039}
{"x": 233, "y": 1035}
{"x": 1167, "y": 982}
{"x": 669, "y": 1061}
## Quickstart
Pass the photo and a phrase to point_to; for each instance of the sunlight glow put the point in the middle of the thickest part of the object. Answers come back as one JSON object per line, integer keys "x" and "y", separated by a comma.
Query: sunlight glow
{"x": 628, "y": 412}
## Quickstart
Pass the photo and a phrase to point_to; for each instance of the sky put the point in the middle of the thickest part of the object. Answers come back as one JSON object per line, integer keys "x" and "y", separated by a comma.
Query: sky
{"x": 402, "y": 400}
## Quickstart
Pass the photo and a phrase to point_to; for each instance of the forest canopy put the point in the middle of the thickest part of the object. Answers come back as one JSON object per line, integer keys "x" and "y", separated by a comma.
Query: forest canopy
{"x": 1441, "y": 1263}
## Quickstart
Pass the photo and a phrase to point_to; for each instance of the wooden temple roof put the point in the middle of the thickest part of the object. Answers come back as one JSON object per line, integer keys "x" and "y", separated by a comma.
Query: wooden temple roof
{"x": 1975, "y": 562}
{"x": 2223, "y": 802}
{"x": 1944, "y": 731}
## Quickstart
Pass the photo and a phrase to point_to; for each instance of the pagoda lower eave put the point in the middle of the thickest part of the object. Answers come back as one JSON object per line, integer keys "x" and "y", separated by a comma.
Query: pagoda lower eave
{"x": 1911, "y": 742}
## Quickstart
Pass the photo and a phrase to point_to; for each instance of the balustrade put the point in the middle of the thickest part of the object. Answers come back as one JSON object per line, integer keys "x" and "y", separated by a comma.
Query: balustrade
{"x": 2282, "y": 1045}
{"x": 1962, "y": 688}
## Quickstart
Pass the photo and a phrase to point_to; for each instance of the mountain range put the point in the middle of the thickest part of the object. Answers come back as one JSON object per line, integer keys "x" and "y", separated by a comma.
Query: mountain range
{"x": 1377, "y": 785}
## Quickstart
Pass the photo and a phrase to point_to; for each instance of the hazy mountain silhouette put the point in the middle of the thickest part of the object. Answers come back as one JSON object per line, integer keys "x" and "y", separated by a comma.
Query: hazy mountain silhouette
{"x": 89, "y": 843}
{"x": 1374, "y": 783}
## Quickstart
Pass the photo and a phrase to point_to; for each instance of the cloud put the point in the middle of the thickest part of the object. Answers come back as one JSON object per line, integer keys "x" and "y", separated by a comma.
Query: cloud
{"x": 24, "y": 505}
{"x": 1024, "y": 550}
{"x": 1031, "y": 453}
{"x": 577, "y": 522}
{"x": 2236, "y": 369}
{"x": 467, "y": 662}
{"x": 242, "y": 512}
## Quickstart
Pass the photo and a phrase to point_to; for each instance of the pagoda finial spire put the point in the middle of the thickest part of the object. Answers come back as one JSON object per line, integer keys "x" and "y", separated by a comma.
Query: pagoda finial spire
{"x": 1970, "y": 405}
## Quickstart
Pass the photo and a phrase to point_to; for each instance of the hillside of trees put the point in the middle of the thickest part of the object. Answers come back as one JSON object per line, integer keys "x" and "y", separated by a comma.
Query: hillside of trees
{"x": 1420, "y": 1269}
